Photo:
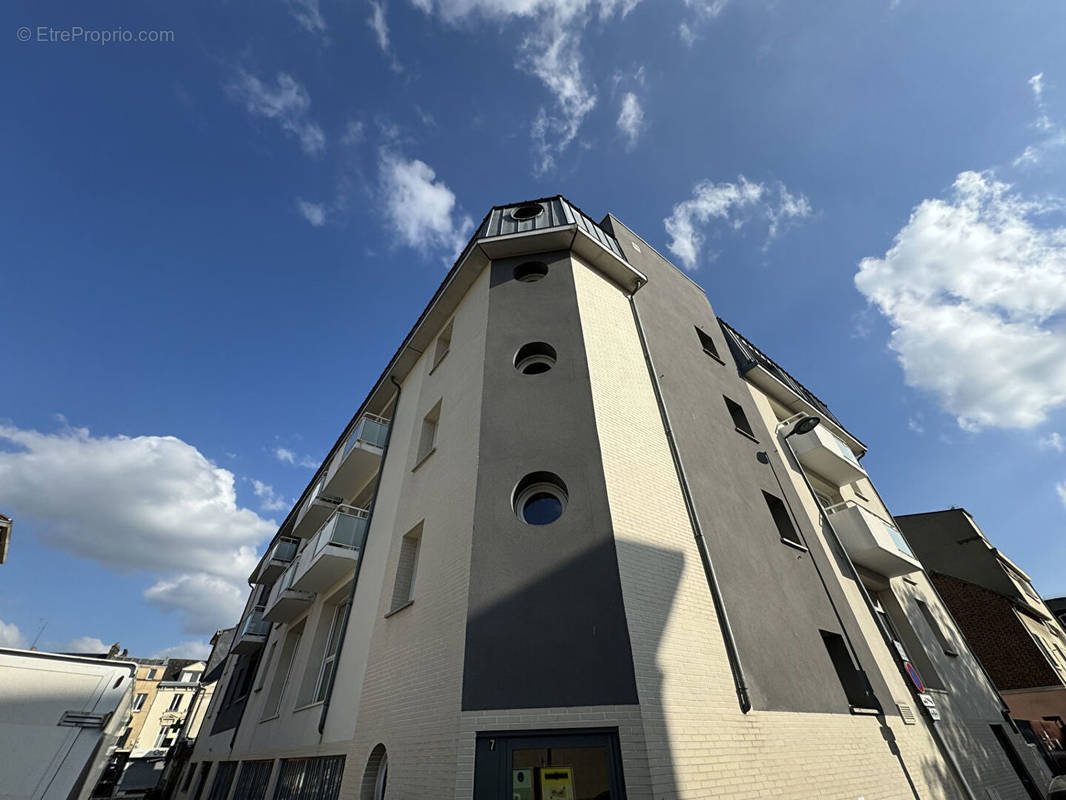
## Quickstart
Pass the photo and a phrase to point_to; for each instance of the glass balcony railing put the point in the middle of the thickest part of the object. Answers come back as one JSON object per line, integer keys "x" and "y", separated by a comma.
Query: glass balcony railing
{"x": 343, "y": 529}
{"x": 284, "y": 550}
{"x": 254, "y": 624}
{"x": 371, "y": 429}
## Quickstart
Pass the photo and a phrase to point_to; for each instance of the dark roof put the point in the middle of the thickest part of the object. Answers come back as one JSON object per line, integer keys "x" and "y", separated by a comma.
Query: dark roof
{"x": 749, "y": 356}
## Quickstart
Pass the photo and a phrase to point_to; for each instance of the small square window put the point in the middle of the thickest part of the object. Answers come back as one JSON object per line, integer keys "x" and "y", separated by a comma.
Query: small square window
{"x": 403, "y": 591}
{"x": 740, "y": 419}
{"x": 444, "y": 344}
{"x": 782, "y": 520}
{"x": 707, "y": 343}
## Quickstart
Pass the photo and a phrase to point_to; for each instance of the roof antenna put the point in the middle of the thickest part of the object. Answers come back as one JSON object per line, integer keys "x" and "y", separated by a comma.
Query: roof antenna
{"x": 44, "y": 624}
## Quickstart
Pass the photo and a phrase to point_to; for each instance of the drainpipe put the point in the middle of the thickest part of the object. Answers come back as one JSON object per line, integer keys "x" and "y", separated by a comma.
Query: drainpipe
{"x": 735, "y": 666}
{"x": 359, "y": 563}
{"x": 945, "y": 751}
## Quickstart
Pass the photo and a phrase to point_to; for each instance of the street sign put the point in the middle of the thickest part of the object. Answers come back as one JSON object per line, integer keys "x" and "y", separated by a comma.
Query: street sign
{"x": 916, "y": 679}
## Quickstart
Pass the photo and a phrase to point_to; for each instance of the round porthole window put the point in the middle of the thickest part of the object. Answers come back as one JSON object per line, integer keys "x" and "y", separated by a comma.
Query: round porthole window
{"x": 530, "y": 271}
{"x": 534, "y": 358}
{"x": 540, "y": 498}
{"x": 527, "y": 212}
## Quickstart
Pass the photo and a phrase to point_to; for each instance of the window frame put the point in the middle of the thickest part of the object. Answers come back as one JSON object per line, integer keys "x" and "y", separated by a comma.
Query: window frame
{"x": 707, "y": 344}
{"x": 329, "y": 655}
{"x": 736, "y": 413}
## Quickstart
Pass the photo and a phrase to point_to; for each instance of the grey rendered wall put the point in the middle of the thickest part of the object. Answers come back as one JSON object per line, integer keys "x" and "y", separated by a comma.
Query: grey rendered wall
{"x": 772, "y": 592}
{"x": 546, "y": 626}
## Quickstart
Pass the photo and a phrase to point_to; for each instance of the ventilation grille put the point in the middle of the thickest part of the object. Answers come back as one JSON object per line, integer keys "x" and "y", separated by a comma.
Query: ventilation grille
{"x": 83, "y": 719}
{"x": 907, "y": 713}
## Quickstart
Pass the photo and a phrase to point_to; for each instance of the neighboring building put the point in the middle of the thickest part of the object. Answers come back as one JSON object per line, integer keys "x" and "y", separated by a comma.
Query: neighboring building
{"x": 1058, "y": 608}
{"x": 5, "y": 536}
{"x": 1016, "y": 635}
{"x": 164, "y": 695}
{"x": 178, "y": 756}
{"x": 568, "y": 542}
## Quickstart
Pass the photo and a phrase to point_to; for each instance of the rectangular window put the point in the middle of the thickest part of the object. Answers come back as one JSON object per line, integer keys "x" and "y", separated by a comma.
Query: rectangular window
{"x": 138, "y": 701}
{"x": 330, "y": 655}
{"x": 253, "y": 780}
{"x": 938, "y": 632}
{"x": 444, "y": 344}
{"x": 782, "y": 520}
{"x": 223, "y": 778}
{"x": 283, "y": 673}
{"x": 403, "y": 590}
{"x": 151, "y": 674}
{"x": 188, "y": 778}
{"x": 267, "y": 665}
{"x": 707, "y": 343}
{"x": 310, "y": 778}
{"x": 175, "y": 703}
{"x": 852, "y": 680}
{"x": 427, "y": 440}
{"x": 740, "y": 419}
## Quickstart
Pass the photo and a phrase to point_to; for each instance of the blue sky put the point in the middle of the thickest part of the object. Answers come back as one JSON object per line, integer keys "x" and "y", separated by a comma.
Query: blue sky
{"x": 205, "y": 263}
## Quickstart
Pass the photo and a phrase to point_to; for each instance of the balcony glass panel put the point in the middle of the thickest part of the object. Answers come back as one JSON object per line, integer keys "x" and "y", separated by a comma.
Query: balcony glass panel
{"x": 284, "y": 550}
{"x": 254, "y": 624}
{"x": 343, "y": 529}
{"x": 371, "y": 429}
{"x": 897, "y": 539}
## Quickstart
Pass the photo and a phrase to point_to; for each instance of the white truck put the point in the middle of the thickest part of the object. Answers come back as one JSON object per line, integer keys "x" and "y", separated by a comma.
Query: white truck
{"x": 60, "y": 719}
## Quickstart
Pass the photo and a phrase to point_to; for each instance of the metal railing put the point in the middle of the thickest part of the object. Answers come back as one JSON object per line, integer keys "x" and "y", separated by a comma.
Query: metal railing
{"x": 254, "y": 624}
{"x": 371, "y": 429}
{"x": 284, "y": 549}
{"x": 343, "y": 529}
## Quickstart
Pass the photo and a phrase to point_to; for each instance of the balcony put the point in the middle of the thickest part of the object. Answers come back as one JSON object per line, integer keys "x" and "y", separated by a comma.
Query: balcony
{"x": 285, "y": 603}
{"x": 314, "y": 512}
{"x": 359, "y": 459}
{"x": 872, "y": 542}
{"x": 280, "y": 556}
{"x": 333, "y": 551}
{"x": 253, "y": 633}
{"x": 822, "y": 451}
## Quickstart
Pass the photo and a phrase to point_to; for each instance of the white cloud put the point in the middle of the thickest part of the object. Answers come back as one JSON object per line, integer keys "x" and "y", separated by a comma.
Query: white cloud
{"x": 193, "y": 649}
{"x": 631, "y": 119}
{"x": 732, "y": 205}
{"x": 354, "y": 133}
{"x": 288, "y": 103}
{"x": 150, "y": 504}
{"x": 915, "y": 424}
{"x": 307, "y": 13}
{"x": 85, "y": 644}
{"x": 1054, "y": 135}
{"x": 379, "y": 24}
{"x": 420, "y": 209}
{"x": 287, "y": 456}
{"x": 206, "y": 602}
{"x": 702, "y": 10}
{"x": 975, "y": 291}
{"x": 1060, "y": 489}
{"x": 11, "y": 636}
{"x": 551, "y": 52}
{"x": 1053, "y": 441}
{"x": 315, "y": 213}
{"x": 270, "y": 500}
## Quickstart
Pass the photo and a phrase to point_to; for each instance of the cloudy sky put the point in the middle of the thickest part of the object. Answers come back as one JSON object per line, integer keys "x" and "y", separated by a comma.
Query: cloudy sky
{"x": 211, "y": 246}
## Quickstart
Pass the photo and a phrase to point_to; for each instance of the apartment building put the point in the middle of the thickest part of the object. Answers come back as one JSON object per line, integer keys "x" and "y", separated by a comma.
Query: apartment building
{"x": 583, "y": 539}
{"x": 165, "y": 691}
{"x": 1017, "y": 636}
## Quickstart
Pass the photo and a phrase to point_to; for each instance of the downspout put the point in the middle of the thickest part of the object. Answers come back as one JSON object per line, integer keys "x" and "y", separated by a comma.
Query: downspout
{"x": 945, "y": 751}
{"x": 697, "y": 529}
{"x": 359, "y": 563}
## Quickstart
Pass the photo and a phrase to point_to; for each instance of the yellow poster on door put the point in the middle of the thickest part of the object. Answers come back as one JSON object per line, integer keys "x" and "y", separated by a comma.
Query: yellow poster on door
{"x": 557, "y": 783}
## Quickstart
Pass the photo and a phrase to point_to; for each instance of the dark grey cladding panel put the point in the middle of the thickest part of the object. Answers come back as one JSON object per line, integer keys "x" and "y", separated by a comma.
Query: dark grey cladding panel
{"x": 558, "y": 213}
{"x": 546, "y": 625}
{"x": 772, "y": 592}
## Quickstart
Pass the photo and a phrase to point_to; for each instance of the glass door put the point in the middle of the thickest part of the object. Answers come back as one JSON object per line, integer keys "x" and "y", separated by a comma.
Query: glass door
{"x": 550, "y": 766}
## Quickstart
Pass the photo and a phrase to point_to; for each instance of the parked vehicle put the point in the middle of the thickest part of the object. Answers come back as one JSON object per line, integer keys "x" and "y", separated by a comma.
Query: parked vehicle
{"x": 60, "y": 718}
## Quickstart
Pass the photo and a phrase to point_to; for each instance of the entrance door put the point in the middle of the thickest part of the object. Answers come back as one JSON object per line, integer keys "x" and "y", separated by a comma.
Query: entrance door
{"x": 579, "y": 765}
{"x": 1017, "y": 763}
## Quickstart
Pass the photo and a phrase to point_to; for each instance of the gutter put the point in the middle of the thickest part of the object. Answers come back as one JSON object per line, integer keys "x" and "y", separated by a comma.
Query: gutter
{"x": 359, "y": 564}
{"x": 945, "y": 751}
{"x": 735, "y": 666}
